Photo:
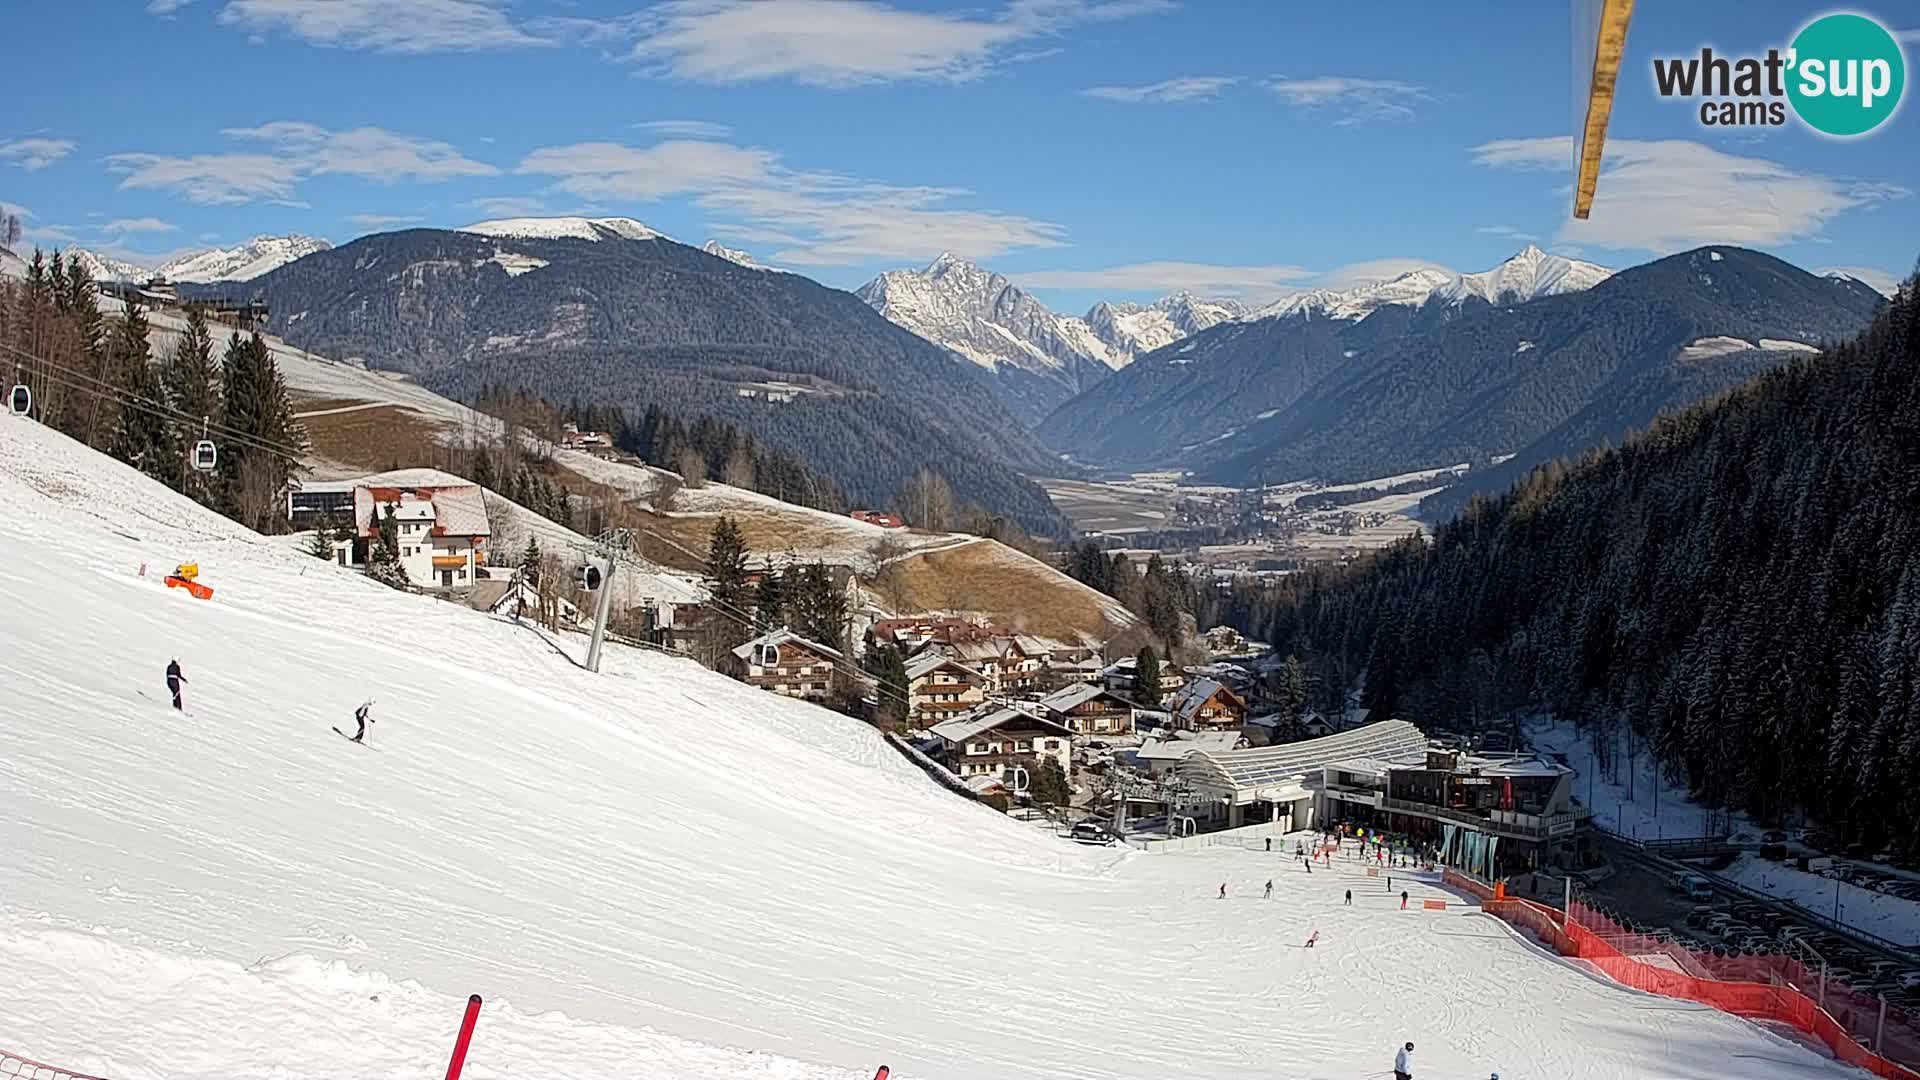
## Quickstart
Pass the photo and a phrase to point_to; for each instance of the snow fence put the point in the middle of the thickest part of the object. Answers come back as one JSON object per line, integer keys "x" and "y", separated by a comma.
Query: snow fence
{"x": 1758, "y": 987}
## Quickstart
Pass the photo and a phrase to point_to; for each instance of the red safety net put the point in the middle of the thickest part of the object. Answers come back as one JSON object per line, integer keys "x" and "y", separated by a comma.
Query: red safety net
{"x": 1757, "y": 986}
{"x": 13, "y": 1065}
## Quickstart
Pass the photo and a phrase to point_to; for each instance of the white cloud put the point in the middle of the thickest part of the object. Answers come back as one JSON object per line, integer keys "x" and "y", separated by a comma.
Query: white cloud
{"x": 828, "y": 220}
{"x": 1508, "y": 231}
{"x": 393, "y": 26}
{"x": 506, "y": 206}
{"x": 123, "y": 227}
{"x": 1206, "y": 279}
{"x": 381, "y": 221}
{"x": 33, "y": 154}
{"x": 686, "y": 129}
{"x": 1883, "y": 281}
{"x": 1186, "y": 89}
{"x": 1373, "y": 271}
{"x": 296, "y": 150}
{"x": 166, "y": 7}
{"x": 1675, "y": 194}
{"x": 841, "y": 43}
{"x": 1356, "y": 100}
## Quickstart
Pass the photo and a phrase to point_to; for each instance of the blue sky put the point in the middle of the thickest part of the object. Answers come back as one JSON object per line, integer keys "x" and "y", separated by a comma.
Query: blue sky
{"x": 1087, "y": 148}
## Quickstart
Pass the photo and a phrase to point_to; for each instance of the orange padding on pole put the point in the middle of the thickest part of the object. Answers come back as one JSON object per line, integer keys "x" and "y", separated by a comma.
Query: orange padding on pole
{"x": 1434, "y": 905}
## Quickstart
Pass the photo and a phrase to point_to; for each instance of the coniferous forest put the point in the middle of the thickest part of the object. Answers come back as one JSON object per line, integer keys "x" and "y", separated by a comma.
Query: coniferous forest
{"x": 1738, "y": 588}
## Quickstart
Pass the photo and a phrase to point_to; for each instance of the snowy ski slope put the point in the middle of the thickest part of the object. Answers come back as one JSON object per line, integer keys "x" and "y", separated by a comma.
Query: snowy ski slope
{"x": 652, "y": 873}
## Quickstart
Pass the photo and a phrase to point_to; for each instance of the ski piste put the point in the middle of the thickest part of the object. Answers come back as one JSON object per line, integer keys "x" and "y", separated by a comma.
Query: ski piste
{"x": 351, "y": 739}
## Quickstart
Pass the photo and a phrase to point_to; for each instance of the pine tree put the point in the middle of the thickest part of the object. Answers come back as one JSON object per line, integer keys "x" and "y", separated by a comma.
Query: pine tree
{"x": 192, "y": 383}
{"x": 257, "y": 462}
{"x": 530, "y": 562}
{"x": 1048, "y": 786}
{"x": 383, "y": 557}
{"x": 889, "y": 671}
{"x": 321, "y": 544}
{"x": 730, "y": 598}
{"x": 1146, "y": 676}
{"x": 144, "y": 438}
{"x": 1293, "y": 695}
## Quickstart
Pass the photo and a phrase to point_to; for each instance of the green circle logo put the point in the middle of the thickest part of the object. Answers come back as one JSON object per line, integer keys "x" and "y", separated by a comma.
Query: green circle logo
{"x": 1847, "y": 74}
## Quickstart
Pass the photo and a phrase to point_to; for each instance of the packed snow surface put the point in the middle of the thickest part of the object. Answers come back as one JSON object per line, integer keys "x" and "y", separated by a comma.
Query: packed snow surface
{"x": 648, "y": 872}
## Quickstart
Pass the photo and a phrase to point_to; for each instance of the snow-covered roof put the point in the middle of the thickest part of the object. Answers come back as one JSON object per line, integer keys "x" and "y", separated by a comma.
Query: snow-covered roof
{"x": 961, "y": 728}
{"x": 928, "y": 662}
{"x": 783, "y": 636}
{"x": 1271, "y": 764}
{"x": 1186, "y": 702}
{"x": 1175, "y": 749}
{"x": 1079, "y": 694}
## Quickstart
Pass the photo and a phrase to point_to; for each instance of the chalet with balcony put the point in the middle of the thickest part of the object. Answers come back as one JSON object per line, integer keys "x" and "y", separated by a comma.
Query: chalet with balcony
{"x": 1090, "y": 711}
{"x": 940, "y": 688}
{"x": 997, "y": 742}
{"x": 1207, "y": 705}
{"x": 787, "y": 664}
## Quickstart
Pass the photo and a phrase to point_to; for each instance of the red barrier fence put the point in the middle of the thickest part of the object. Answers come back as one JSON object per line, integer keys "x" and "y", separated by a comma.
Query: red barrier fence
{"x": 13, "y": 1065}
{"x": 1760, "y": 987}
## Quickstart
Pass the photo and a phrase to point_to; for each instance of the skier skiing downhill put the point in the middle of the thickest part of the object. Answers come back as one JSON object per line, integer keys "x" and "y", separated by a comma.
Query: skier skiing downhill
{"x": 1313, "y": 937}
{"x": 1223, "y": 890}
{"x": 1269, "y": 888}
{"x": 175, "y": 680}
{"x": 1403, "y": 1063}
{"x": 360, "y": 715}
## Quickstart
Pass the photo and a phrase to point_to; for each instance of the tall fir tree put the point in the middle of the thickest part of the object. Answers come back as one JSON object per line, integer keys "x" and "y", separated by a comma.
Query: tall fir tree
{"x": 191, "y": 380}
{"x": 145, "y": 437}
{"x": 1146, "y": 675}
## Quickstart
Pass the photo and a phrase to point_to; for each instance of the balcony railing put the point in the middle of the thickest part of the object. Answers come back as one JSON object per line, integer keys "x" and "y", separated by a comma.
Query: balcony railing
{"x": 1509, "y": 822}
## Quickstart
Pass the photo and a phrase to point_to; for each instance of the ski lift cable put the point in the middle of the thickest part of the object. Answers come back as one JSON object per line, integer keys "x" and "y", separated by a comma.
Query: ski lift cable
{"x": 176, "y": 417}
{"x": 252, "y": 441}
{"x": 90, "y": 385}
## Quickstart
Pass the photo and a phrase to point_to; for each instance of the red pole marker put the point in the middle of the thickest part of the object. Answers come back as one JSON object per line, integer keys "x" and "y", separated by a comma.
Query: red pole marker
{"x": 883, "y": 1073}
{"x": 466, "y": 1036}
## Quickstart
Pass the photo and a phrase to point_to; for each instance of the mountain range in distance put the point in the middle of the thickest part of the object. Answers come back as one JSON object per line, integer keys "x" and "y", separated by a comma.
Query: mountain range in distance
{"x": 240, "y": 263}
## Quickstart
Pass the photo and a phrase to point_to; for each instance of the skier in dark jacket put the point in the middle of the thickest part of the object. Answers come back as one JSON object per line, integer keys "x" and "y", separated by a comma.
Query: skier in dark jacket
{"x": 360, "y": 716}
{"x": 174, "y": 681}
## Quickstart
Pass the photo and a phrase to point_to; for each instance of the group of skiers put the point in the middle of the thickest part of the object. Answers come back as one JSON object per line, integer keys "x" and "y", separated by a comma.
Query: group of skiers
{"x": 362, "y": 715}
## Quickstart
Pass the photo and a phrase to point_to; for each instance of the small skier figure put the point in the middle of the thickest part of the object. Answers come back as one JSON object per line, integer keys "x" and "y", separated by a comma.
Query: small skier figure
{"x": 1309, "y": 868}
{"x": 1349, "y": 897}
{"x": 1313, "y": 937}
{"x": 1269, "y": 843}
{"x": 174, "y": 681}
{"x": 1403, "y": 899}
{"x": 1223, "y": 890}
{"x": 1403, "y": 1063}
{"x": 1269, "y": 888}
{"x": 360, "y": 716}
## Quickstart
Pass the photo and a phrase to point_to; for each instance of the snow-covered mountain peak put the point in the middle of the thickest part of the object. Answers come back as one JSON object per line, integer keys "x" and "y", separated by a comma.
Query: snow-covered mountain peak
{"x": 104, "y": 268}
{"x": 243, "y": 263}
{"x": 732, "y": 255}
{"x": 1529, "y": 275}
{"x": 566, "y": 228}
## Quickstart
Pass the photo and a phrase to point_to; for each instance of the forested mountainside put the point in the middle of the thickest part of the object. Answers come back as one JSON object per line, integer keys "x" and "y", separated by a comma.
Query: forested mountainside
{"x": 1740, "y": 585}
{"x": 625, "y": 321}
{"x": 1458, "y": 379}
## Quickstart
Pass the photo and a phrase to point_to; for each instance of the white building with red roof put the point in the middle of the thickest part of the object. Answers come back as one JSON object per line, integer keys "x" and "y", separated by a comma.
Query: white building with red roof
{"x": 442, "y": 530}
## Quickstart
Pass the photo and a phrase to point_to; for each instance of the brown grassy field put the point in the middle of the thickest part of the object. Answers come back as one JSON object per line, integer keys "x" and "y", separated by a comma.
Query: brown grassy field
{"x": 376, "y": 439}
{"x": 1020, "y": 592}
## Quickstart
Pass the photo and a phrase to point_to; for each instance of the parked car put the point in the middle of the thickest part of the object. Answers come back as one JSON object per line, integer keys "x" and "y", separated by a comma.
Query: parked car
{"x": 1088, "y": 832}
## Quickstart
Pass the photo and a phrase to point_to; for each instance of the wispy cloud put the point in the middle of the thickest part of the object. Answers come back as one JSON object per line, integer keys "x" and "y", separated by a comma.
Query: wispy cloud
{"x": 1186, "y": 89}
{"x": 839, "y": 43}
{"x": 1909, "y": 36}
{"x": 381, "y": 221}
{"x": 825, "y": 218}
{"x": 295, "y": 150}
{"x": 686, "y": 129}
{"x": 507, "y": 206}
{"x": 391, "y": 26}
{"x": 124, "y": 227}
{"x": 1207, "y": 279}
{"x": 1674, "y": 194}
{"x": 1507, "y": 231}
{"x": 34, "y": 154}
{"x": 166, "y": 7}
{"x": 1354, "y": 100}
{"x": 1882, "y": 281}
